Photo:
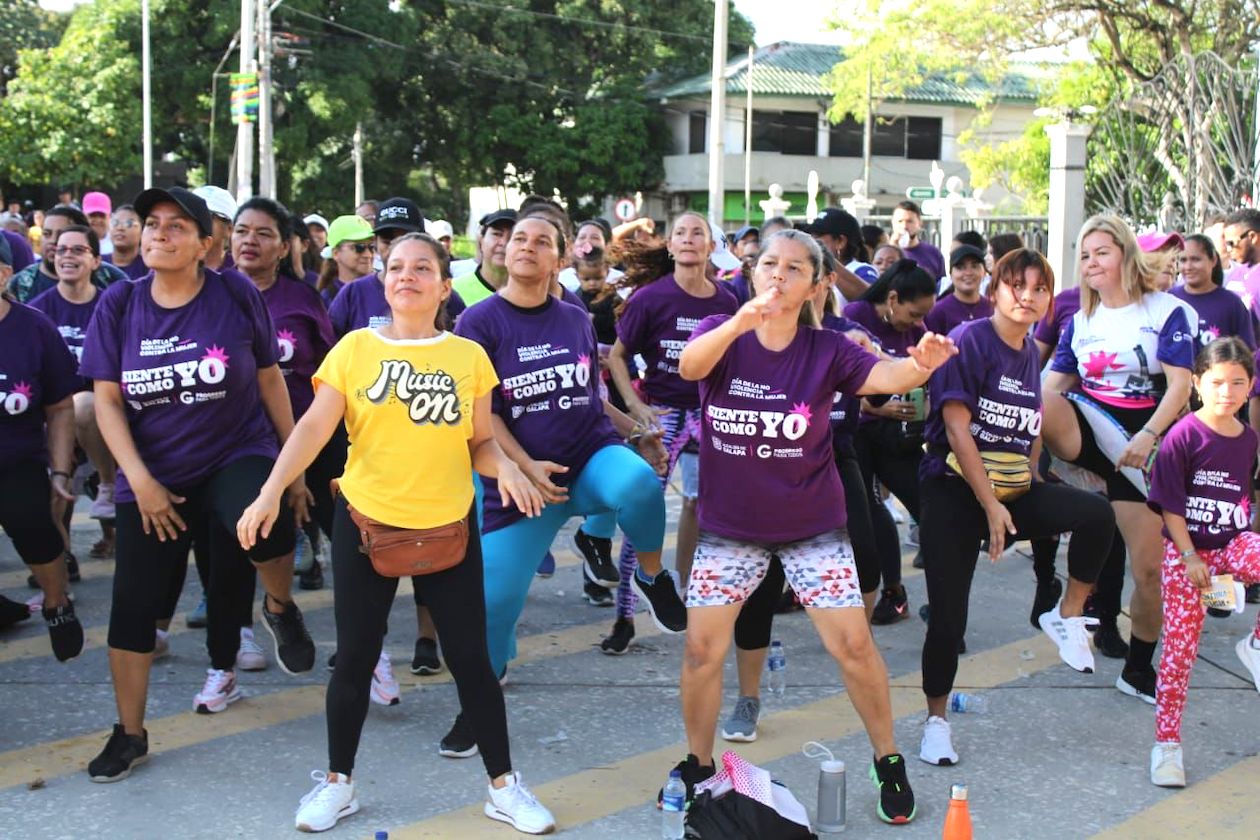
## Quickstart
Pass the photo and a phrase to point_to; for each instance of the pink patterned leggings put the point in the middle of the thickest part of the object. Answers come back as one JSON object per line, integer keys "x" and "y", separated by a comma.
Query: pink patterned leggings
{"x": 1183, "y": 621}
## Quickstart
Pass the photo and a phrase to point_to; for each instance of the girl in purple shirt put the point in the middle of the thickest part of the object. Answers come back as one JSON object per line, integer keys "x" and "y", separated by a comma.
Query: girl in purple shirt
{"x": 1202, "y": 486}
{"x": 768, "y": 378}
{"x": 191, "y": 402}
{"x": 889, "y": 439}
{"x": 671, "y": 296}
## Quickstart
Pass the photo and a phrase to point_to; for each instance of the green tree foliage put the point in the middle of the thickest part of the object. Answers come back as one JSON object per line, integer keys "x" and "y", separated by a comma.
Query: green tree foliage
{"x": 543, "y": 94}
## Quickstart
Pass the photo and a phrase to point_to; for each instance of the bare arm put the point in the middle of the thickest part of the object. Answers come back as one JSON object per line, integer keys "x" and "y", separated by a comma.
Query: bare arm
{"x": 1043, "y": 351}
{"x": 1061, "y": 382}
{"x": 1174, "y": 401}
{"x": 275, "y": 400}
{"x": 957, "y": 417}
{"x": 619, "y": 367}
{"x": 903, "y": 375}
{"x": 702, "y": 354}
{"x": 850, "y": 285}
{"x": 59, "y": 419}
{"x": 489, "y": 459}
{"x": 1196, "y": 569}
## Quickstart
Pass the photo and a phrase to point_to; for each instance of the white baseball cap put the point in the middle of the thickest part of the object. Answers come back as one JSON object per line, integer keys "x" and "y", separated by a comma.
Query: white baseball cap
{"x": 219, "y": 201}
{"x": 722, "y": 256}
{"x": 316, "y": 219}
{"x": 439, "y": 228}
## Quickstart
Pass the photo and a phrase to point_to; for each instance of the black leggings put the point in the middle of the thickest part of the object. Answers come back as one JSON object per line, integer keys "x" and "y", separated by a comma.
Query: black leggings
{"x": 361, "y": 603}
{"x": 884, "y": 452}
{"x": 951, "y": 530}
{"x": 149, "y": 573}
{"x": 26, "y": 512}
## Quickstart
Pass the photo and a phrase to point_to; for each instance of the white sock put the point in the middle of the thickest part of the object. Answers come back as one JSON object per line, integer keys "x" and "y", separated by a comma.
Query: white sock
{"x": 162, "y": 634}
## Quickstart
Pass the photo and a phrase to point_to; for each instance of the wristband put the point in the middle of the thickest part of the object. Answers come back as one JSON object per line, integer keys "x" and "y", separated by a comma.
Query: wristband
{"x": 1150, "y": 431}
{"x": 1190, "y": 552}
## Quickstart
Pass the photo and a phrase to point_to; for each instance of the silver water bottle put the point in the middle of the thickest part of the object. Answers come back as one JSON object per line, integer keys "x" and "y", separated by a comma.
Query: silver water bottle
{"x": 831, "y": 797}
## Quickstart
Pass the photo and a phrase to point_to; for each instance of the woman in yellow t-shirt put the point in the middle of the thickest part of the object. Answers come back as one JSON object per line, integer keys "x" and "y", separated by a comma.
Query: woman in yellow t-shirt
{"x": 416, "y": 402}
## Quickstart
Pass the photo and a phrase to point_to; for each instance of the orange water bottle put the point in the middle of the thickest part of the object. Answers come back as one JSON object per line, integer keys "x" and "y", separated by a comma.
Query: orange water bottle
{"x": 957, "y": 818}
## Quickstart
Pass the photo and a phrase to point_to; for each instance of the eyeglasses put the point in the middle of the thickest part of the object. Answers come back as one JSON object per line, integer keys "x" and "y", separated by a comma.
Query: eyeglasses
{"x": 75, "y": 250}
{"x": 1234, "y": 243}
{"x": 123, "y": 224}
{"x": 363, "y": 247}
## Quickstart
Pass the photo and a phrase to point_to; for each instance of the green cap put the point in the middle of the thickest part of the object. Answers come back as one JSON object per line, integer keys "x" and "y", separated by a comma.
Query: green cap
{"x": 347, "y": 229}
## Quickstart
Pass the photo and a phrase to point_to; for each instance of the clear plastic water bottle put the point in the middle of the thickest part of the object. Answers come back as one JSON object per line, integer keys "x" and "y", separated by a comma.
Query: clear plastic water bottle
{"x": 776, "y": 682}
{"x": 673, "y": 800}
{"x": 972, "y": 704}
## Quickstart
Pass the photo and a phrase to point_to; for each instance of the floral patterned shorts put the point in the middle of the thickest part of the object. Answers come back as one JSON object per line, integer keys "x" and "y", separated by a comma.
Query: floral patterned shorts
{"x": 820, "y": 570}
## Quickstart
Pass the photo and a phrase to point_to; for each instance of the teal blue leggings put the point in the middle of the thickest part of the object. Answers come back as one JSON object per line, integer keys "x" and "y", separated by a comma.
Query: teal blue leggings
{"x": 616, "y": 479}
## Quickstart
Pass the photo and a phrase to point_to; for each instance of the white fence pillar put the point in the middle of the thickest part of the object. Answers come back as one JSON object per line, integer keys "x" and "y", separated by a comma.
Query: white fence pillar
{"x": 1067, "y": 197}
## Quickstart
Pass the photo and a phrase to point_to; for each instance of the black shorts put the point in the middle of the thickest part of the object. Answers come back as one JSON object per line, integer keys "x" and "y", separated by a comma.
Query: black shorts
{"x": 1119, "y": 488}
{"x": 26, "y": 512}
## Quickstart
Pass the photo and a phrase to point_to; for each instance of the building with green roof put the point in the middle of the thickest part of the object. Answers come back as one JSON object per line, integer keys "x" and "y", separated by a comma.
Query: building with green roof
{"x": 792, "y": 134}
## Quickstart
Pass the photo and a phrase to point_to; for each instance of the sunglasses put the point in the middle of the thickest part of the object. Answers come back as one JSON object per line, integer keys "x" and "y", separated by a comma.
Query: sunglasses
{"x": 123, "y": 224}
{"x": 363, "y": 247}
{"x": 75, "y": 251}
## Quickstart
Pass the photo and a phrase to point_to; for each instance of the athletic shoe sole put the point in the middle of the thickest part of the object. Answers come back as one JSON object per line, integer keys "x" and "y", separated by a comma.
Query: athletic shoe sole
{"x": 105, "y": 780}
{"x": 1125, "y": 688}
{"x": 351, "y": 808}
{"x": 382, "y": 700}
{"x": 1248, "y": 661}
{"x": 739, "y": 737}
{"x": 647, "y": 603}
{"x": 589, "y": 574}
{"x": 449, "y": 753}
{"x": 216, "y": 706}
{"x": 502, "y": 816}
{"x": 425, "y": 670}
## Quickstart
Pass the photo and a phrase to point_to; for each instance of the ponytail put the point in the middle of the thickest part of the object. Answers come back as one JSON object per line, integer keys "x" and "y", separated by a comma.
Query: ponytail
{"x": 903, "y": 277}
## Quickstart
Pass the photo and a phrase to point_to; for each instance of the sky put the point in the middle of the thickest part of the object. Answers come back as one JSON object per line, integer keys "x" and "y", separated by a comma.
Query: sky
{"x": 789, "y": 20}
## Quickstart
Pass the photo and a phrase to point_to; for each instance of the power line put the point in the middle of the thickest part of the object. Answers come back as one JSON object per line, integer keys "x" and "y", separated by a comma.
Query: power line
{"x": 583, "y": 21}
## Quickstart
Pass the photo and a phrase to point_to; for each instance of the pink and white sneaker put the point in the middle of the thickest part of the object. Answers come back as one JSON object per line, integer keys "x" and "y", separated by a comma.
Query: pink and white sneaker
{"x": 385, "y": 690}
{"x": 219, "y": 691}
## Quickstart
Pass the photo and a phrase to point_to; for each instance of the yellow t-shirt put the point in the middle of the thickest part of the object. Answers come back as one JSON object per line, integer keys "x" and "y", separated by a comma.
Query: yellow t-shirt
{"x": 409, "y": 411}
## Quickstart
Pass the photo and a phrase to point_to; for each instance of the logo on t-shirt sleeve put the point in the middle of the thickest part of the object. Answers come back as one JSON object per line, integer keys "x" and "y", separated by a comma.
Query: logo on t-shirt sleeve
{"x": 431, "y": 398}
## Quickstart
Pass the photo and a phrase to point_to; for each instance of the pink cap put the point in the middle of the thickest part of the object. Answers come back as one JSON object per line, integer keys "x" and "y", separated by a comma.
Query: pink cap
{"x": 97, "y": 202}
{"x": 1151, "y": 242}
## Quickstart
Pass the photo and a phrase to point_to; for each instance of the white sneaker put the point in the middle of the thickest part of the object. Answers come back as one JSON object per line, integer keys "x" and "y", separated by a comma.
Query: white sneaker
{"x": 385, "y": 689}
{"x": 1249, "y": 654}
{"x": 161, "y": 646}
{"x": 1167, "y": 769}
{"x": 103, "y": 504}
{"x": 219, "y": 691}
{"x": 331, "y": 799}
{"x": 894, "y": 511}
{"x": 250, "y": 656}
{"x": 937, "y": 747}
{"x": 1071, "y": 637}
{"x": 513, "y": 803}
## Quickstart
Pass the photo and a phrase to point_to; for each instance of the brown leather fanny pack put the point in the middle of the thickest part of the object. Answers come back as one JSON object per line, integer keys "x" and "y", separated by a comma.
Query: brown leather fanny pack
{"x": 403, "y": 552}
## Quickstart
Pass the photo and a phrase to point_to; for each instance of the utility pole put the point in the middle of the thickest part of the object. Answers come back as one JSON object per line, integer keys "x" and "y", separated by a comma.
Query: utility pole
{"x": 867, "y": 129}
{"x": 748, "y": 128}
{"x": 357, "y": 154}
{"x": 245, "y": 129}
{"x": 266, "y": 153}
{"x": 146, "y": 94}
{"x": 717, "y": 114}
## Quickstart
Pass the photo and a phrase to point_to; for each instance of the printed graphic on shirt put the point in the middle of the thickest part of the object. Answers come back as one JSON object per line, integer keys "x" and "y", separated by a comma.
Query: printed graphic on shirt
{"x": 671, "y": 348}
{"x": 532, "y": 391}
{"x": 431, "y": 397}
{"x": 1216, "y": 514}
{"x": 997, "y": 421}
{"x": 17, "y": 398}
{"x": 154, "y": 386}
{"x": 766, "y": 434}
{"x": 288, "y": 346}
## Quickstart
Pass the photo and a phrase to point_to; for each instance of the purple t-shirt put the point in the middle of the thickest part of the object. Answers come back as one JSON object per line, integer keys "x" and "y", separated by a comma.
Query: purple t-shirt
{"x": 1205, "y": 477}
{"x": 330, "y": 292}
{"x": 655, "y": 323}
{"x": 189, "y": 375}
{"x": 361, "y": 303}
{"x": 949, "y": 312}
{"x": 763, "y": 431}
{"x": 22, "y": 253}
{"x": 303, "y": 334}
{"x": 71, "y": 320}
{"x": 929, "y": 258}
{"x": 892, "y": 341}
{"x": 1066, "y": 304}
{"x": 999, "y": 384}
{"x": 845, "y": 408}
{"x": 548, "y": 393}
{"x": 134, "y": 269}
{"x": 36, "y": 370}
{"x": 1221, "y": 313}
{"x": 737, "y": 284}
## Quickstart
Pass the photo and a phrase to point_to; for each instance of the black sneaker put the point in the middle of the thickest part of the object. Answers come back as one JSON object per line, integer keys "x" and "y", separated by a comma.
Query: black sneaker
{"x": 893, "y": 606}
{"x": 597, "y": 565}
{"x": 1139, "y": 684}
{"x": 918, "y": 562}
{"x": 596, "y": 595}
{"x": 425, "y": 660}
{"x": 618, "y": 642}
{"x": 11, "y": 612}
{"x": 662, "y": 601}
{"x": 1044, "y": 600}
{"x": 1253, "y": 593}
{"x": 72, "y": 571}
{"x": 64, "y": 631}
{"x": 293, "y": 646}
{"x": 1109, "y": 642}
{"x": 312, "y": 578}
{"x": 121, "y": 754}
{"x": 693, "y": 773}
{"x": 896, "y": 799}
{"x": 460, "y": 741}
{"x": 1217, "y": 612}
{"x": 332, "y": 661}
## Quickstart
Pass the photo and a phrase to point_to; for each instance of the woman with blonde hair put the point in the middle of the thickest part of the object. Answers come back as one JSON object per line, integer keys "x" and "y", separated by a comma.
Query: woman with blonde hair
{"x": 1119, "y": 378}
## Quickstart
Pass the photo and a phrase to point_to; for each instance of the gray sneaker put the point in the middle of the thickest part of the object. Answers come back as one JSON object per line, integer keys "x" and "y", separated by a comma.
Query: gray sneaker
{"x": 742, "y": 724}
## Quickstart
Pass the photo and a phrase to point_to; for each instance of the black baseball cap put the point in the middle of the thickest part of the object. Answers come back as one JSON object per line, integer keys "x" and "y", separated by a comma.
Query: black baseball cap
{"x": 498, "y": 217}
{"x": 602, "y": 224}
{"x": 188, "y": 201}
{"x": 399, "y": 214}
{"x": 745, "y": 231}
{"x": 963, "y": 252}
{"x": 834, "y": 222}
